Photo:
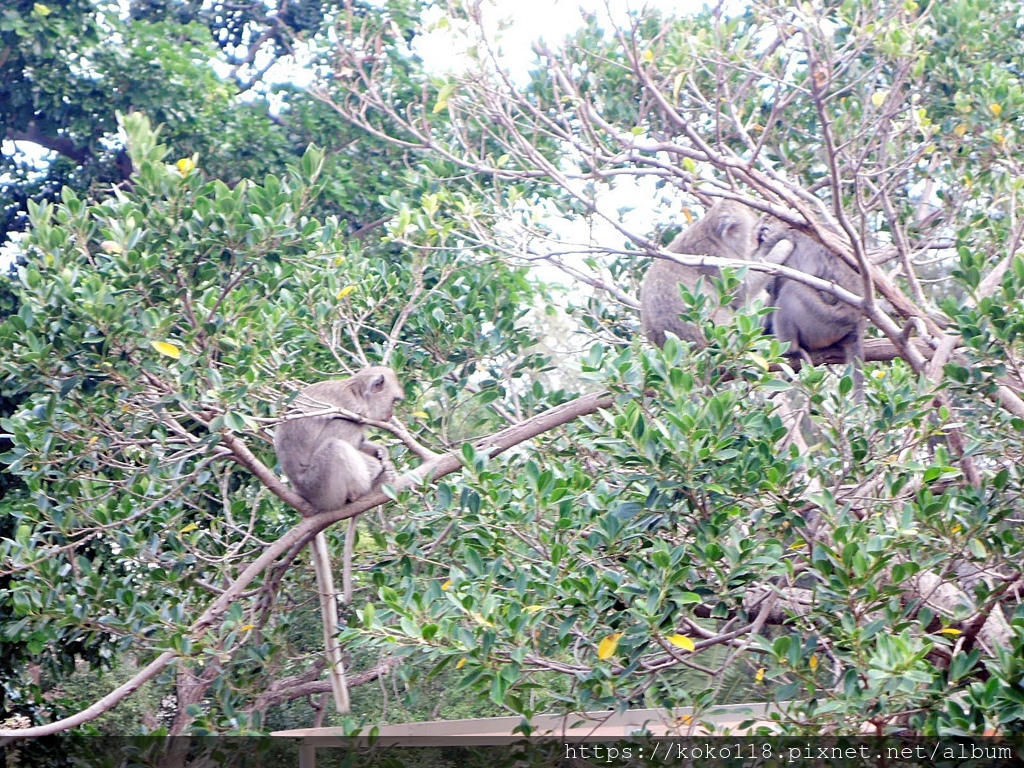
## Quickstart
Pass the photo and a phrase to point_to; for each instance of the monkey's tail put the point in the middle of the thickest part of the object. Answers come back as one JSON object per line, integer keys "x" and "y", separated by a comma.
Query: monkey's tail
{"x": 329, "y": 612}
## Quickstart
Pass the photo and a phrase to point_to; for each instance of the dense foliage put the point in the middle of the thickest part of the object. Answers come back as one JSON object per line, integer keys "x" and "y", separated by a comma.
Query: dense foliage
{"x": 580, "y": 522}
{"x": 69, "y": 68}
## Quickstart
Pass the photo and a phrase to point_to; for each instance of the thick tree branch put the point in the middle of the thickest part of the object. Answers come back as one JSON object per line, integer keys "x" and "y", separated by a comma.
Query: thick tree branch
{"x": 300, "y": 686}
{"x": 62, "y": 145}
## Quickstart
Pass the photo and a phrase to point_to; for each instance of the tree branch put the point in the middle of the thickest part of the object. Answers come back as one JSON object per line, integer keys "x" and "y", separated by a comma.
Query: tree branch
{"x": 62, "y": 145}
{"x": 305, "y": 531}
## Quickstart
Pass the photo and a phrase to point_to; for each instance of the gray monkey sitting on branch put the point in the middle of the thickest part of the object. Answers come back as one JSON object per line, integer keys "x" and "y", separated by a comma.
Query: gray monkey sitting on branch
{"x": 330, "y": 463}
{"x": 809, "y": 319}
{"x": 726, "y": 231}
{"x": 325, "y": 455}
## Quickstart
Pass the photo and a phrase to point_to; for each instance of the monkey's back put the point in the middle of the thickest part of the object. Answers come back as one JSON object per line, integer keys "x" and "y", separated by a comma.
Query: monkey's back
{"x": 812, "y": 257}
{"x": 810, "y": 319}
{"x": 297, "y": 439}
{"x": 661, "y": 303}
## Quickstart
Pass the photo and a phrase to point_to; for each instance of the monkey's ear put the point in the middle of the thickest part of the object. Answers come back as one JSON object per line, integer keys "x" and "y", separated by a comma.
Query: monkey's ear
{"x": 726, "y": 225}
{"x": 377, "y": 383}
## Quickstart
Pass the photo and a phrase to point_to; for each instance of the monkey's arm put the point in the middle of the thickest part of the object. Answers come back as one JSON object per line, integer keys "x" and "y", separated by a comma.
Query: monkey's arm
{"x": 378, "y": 452}
{"x": 756, "y": 281}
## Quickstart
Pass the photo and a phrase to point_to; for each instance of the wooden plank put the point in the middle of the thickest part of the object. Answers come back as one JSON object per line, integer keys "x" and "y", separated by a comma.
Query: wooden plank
{"x": 307, "y": 754}
{"x": 582, "y": 726}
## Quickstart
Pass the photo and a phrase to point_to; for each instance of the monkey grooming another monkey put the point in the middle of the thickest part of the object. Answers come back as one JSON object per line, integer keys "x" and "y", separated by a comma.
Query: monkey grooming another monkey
{"x": 727, "y": 231}
{"x": 329, "y": 462}
{"x": 809, "y": 319}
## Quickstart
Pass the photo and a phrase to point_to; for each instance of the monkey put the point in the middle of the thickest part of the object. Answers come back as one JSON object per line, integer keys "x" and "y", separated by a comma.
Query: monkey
{"x": 330, "y": 462}
{"x": 808, "y": 319}
{"x": 327, "y": 457}
{"x": 727, "y": 230}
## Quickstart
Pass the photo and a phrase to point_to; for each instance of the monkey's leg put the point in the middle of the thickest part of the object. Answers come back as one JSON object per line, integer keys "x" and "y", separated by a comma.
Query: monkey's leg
{"x": 388, "y": 472}
{"x": 787, "y": 331}
{"x": 329, "y": 614}
{"x": 337, "y": 474}
{"x": 376, "y": 470}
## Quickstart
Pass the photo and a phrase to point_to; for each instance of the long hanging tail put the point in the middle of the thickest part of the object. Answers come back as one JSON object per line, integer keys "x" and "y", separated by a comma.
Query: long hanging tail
{"x": 329, "y": 612}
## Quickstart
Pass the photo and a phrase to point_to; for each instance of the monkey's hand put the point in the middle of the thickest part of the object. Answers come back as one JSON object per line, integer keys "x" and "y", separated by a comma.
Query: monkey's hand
{"x": 380, "y": 453}
{"x": 390, "y": 473}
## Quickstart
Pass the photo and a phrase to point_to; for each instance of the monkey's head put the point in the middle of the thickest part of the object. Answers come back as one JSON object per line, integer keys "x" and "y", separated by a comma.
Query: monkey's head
{"x": 768, "y": 233}
{"x": 378, "y": 390}
{"x": 732, "y": 224}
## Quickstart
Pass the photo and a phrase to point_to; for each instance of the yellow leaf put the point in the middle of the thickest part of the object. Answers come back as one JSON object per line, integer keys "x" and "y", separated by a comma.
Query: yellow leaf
{"x": 759, "y": 361}
{"x": 950, "y": 631}
{"x": 185, "y": 166}
{"x": 606, "y": 648}
{"x": 687, "y": 214}
{"x": 166, "y": 348}
{"x": 648, "y": 56}
{"x": 41, "y": 10}
{"x": 759, "y": 676}
{"x": 682, "y": 641}
{"x": 247, "y": 627}
{"x": 479, "y": 617}
{"x": 533, "y": 608}
{"x": 996, "y": 109}
{"x": 420, "y": 415}
{"x": 960, "y": 130}
{"x": 878, "y": 375}
{"x": 348, "y": 290}
{"x": 813, "y": 662}
{"x": 442, "y": 102}
{"x": 189, "y": 527}
{"x": 677, "y": 85}
{"x": 446, "y": 586}
{"x": 460, "y": 663}
{"x": 878, "y": 98}
{"x": 797, "y": 545}
{"x": 111, "y": 247}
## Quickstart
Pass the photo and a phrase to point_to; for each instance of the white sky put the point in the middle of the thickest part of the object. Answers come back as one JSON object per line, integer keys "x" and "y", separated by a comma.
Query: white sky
{"x": 513, "y": 26}
{"x": 532, "y": 20}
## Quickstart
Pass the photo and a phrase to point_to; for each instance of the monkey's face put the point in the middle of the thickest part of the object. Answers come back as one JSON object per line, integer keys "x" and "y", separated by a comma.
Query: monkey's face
{"x": 728, "y": 225}
{"x": 769, "y": 234}
{"x": 768, "y": 231}
{"x": 381, "y": 393}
